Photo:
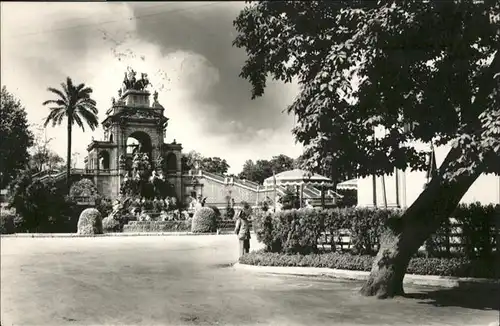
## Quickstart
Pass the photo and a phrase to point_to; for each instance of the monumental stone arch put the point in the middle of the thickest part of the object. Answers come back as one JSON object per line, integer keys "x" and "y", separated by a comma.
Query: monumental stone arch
{"x": 134, "y": 123}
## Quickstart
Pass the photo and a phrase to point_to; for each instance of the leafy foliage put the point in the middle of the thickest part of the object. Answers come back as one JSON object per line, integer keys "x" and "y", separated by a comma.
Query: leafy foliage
{"x": 290, "y": 199}
{"x": 158, "y": 226}
{"x": 477, "y": 232}
{"x": 204, "y": 220}
{"x": 109, "y": 224}
{"x": 349, "y": 199}
{"x": 15, "y": 137}
{"x": 263, "y": 169}
{"x": 84, "y": 188}
{"x": 46, "y": 159}
{"x": 297, "y": 231}
{"x": 420, "y": 71}
{"x": 104, "y": 206}
{"x": 40, "y": 205}
{"x": 74, "y": 103}
{"x": 42, "y": 157}
{"x": 209, "y": 164}
{"x": 458, "y": 267}
{"x": 479, "y": 229}
{"x": 90, "y": 222}
{"x": 7, "y": 222}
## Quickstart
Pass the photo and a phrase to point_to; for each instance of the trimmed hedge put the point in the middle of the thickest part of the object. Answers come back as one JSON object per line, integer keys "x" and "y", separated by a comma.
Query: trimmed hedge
{"x": 297, "y": 231}
{"x": 457, "y": 267}
{"x": 158, "y": 226}
{"x": 90, "y": 222}
{"x": 204, "y": 221}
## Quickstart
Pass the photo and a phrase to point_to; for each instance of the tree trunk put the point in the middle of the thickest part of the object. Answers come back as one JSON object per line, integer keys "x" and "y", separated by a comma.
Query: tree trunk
{"x": 68, "y": 157}
{"x": 405, "y": 235}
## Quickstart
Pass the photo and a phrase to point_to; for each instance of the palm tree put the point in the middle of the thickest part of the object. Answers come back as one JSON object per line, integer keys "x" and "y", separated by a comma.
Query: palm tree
{"x": 74, "y": 103}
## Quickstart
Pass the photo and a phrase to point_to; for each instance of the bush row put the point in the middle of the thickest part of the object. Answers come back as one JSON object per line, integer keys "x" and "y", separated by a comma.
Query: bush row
{"x": 457, "y": 266}
{"x": 297, "y": 231}
{"x": 158, "y": 226}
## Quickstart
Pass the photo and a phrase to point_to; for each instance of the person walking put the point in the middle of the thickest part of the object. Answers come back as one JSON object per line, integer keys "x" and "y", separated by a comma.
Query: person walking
{"x": 242, "y": 229}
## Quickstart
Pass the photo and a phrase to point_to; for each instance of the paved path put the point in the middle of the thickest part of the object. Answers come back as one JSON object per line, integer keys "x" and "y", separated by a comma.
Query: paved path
{"x": 187, "y": 281}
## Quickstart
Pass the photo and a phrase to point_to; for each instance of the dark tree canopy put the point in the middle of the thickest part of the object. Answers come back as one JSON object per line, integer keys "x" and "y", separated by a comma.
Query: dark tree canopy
{"x": 15, "y": 138}
{"x": 215, "y": 165}
{"x": 208, "y": 164}
{"x": 377, "y": 78}
{"x": 263, "y": 169}
{"x": 42, "y": 207}
{"x": 422, "y": 71}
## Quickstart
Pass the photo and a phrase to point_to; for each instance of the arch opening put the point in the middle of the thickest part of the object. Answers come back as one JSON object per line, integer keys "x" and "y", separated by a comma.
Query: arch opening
{"x": 139, "y": 142}
{"x": 104, "y": 160}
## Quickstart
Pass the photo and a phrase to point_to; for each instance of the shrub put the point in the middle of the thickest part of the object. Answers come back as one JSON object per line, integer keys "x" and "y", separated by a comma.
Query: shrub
{"x": 40, "y": 205}
{"x": 104, "y": 206}
{"x": 84, "y": 188}
{"x": 157, "y": 226}
{"x": 349, "y": 197}
{"x": 109, "y": 224}
{"x": 90, "y": 222}
{"x": 366, "y": 226}
{"x": 478, "y": 229}
{"x": 7, "y": 222}
{"x": 204, "y": 220}
{"x": 218, "y": 215}
{"x": 457, "y": 267}
{"x": 290, "y": 199}
{"x": 292, "y": 231}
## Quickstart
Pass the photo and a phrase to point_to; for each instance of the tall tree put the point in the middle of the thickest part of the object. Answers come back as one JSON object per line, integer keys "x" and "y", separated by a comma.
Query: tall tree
{"x": 282, "y": 163}
{"x": 76, "y": 105}
{"x": 46, "y": 160}
{"x": 15, "y": 137}
{"x": 215, "y": 165}
{"x": 420, "y": 71}
{"x": 263, "y": 169}
{"x": 208, "y": 164}
{"x": 190, "y": 160}
{"x": 42, "y": 157}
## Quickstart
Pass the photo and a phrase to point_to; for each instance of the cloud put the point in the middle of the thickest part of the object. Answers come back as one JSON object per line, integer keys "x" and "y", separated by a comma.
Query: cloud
{"x": 184, "y": 47}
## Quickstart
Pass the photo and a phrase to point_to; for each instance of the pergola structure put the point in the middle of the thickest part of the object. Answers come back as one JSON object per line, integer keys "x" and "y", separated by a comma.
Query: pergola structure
{"x": 299, "y": 178}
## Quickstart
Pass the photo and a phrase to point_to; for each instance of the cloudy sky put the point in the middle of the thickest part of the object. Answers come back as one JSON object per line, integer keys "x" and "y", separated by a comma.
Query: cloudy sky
{"x": 184, "y": 47}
